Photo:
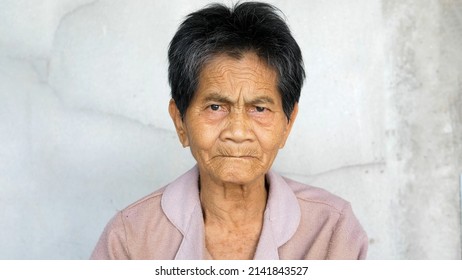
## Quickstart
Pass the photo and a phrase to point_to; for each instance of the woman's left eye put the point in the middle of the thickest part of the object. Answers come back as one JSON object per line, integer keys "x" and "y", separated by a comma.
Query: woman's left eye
{"x": 260, "y": 109}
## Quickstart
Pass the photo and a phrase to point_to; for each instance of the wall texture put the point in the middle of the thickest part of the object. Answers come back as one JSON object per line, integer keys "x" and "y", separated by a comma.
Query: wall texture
{"x": 84, "y": 127}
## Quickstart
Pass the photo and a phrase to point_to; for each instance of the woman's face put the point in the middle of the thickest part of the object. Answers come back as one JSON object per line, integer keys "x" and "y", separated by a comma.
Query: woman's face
{"x": 235, "y": 123}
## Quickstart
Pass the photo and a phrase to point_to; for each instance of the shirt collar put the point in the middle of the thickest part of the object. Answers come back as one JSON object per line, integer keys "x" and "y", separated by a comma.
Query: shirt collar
{"x": 181, "y": 204}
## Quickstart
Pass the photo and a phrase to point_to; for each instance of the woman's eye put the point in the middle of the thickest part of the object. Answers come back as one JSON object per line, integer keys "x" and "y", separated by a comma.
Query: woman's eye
{"x": 260, "y": 109}
{"x": 215, "y": 107}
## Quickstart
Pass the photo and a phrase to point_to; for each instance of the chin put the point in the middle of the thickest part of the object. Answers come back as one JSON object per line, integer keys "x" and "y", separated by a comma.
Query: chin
{"x": 239, "y": 175}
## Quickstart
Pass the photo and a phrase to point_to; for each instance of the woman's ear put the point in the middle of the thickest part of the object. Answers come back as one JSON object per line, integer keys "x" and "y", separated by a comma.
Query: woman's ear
{"x": 289, "y": 125}
{"x": 178, "y": 122}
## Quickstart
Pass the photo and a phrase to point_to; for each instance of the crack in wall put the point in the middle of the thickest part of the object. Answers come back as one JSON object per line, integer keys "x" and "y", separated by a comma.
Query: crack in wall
{"x": 378, "y": 164}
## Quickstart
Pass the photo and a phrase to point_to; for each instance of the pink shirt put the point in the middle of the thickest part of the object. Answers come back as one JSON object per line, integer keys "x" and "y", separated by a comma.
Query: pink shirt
{"x": 300, "y": 222}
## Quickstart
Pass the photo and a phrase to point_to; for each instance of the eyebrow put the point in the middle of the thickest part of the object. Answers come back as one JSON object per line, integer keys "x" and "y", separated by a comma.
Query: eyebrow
{"x": 216, "y": 97}
{"x": 262, "y": 100}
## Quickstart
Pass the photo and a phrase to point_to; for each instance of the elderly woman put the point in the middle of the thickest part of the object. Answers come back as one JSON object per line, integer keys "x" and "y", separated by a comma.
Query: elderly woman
{"x": 236, "y": 76}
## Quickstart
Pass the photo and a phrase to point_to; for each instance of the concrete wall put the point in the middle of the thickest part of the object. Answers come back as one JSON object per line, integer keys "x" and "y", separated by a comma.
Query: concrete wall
{"x": 84, "y": 128}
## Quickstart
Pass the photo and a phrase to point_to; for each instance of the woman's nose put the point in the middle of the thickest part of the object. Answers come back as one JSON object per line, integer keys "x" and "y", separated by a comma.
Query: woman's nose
{"x": 238, "y": 127}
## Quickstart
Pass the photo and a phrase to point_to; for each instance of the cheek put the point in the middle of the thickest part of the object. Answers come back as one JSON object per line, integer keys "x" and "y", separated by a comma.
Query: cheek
{"x": 271, "y": 138}
{"x": 202, "y": 136}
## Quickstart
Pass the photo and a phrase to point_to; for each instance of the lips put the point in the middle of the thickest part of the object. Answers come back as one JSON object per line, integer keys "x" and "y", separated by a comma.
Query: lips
{"x": 235, "y": 157}
{"x": 242, "y": 157}
{"x": 237, "y": 152}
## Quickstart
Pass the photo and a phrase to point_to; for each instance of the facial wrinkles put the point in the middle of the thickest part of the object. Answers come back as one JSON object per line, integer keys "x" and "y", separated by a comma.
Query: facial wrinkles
{"x": 238, "y": 129}
{"x": 246, "y": 83}
{"x": 239, "y": 84}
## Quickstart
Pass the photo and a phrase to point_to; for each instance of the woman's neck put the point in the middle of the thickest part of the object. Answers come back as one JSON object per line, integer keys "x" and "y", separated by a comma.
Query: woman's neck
{"x": 233, "y": 205}
{"x": 233, "y": 218}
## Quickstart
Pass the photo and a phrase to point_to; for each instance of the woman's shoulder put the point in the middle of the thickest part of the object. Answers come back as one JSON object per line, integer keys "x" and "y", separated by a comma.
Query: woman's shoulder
{"x": 147, "y": 203}
{"x": 328, "y": 226}
{"x": 139, "y": 231}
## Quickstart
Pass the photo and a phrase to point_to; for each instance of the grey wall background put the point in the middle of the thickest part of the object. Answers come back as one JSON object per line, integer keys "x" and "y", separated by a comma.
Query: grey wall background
{"x": 84, "y": 128}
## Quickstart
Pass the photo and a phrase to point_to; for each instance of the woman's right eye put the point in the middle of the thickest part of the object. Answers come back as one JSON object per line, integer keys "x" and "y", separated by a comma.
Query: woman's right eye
{"x": 215, "y": 107}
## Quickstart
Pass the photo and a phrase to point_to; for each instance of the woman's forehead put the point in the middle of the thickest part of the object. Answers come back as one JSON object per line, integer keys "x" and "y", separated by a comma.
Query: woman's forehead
{"x": 250, "y": 69}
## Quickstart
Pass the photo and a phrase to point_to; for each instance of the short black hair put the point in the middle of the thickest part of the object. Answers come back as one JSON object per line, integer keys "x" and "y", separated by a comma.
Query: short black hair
{"x": 246, "y": 27}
